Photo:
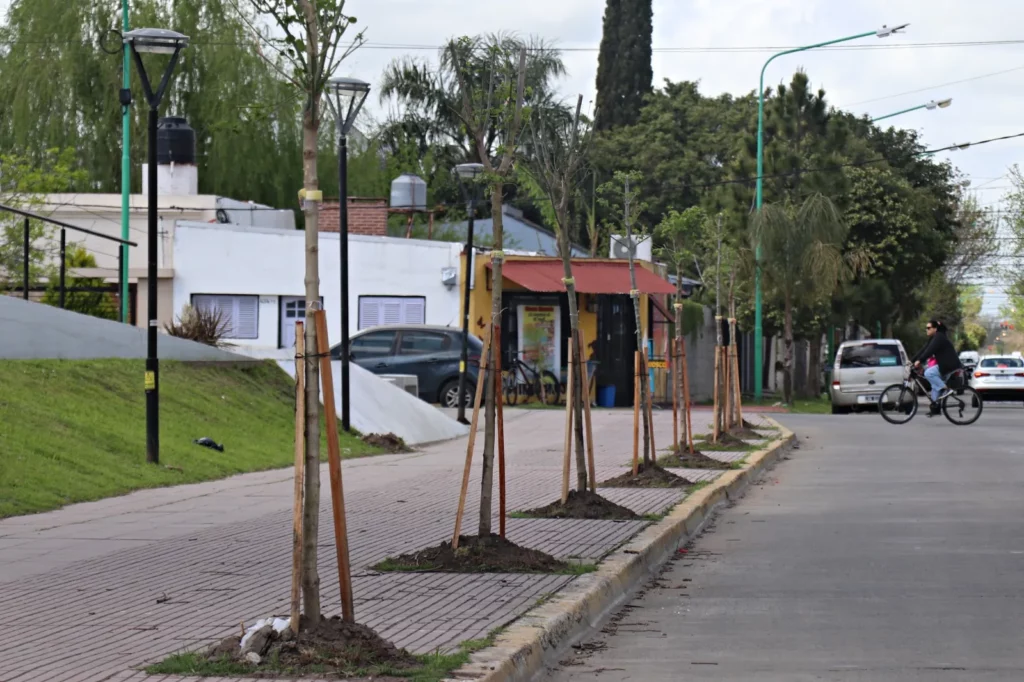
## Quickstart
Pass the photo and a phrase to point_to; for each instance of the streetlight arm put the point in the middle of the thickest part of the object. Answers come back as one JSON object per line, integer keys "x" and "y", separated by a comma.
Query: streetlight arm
{"x": 897, "y": 113}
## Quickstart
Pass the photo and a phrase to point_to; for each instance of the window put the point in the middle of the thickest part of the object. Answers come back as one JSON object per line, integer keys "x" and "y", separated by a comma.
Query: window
{"x": 423, "y": 343}
{"x": 240, "y": 314}
{"x": 1002, "y": 363}
{"x": 870, "y": 355}
{"x": 377, "y": 310}
{"x": 373, "y": 345}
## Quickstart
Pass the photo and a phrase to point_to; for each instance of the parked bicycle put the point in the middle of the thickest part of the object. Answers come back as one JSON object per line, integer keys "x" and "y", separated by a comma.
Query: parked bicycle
{"x": 960, "y": 403}
{"x": 520, "y": 381}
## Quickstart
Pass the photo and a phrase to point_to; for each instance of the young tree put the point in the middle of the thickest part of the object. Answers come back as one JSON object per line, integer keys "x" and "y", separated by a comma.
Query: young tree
{"x": 494, "y": 104}
{"x": 625, "y": 188}
{"x": 624, "y": 71}
{"x": 802, "y": 259}
{"x": 558, "y": 156}
{"x": 305, "y": 52}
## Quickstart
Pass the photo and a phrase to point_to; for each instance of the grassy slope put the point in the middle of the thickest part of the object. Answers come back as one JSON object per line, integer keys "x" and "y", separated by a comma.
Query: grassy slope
{"x": 72, "y": 431}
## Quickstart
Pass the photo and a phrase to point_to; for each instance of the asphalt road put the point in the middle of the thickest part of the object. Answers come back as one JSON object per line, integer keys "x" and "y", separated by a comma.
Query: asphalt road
{"x": 875, "y": 552}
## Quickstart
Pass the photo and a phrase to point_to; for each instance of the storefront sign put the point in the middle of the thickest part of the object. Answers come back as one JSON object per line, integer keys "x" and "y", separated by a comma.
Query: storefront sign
{"x": 540, "y": 329}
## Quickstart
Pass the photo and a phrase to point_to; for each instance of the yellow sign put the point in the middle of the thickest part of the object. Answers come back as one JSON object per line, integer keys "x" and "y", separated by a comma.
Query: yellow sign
{"x": 657, "y": 364}
{"x": 150, "y": 381}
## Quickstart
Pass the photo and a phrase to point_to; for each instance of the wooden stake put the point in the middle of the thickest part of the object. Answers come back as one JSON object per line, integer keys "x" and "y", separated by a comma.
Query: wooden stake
{"x": 480, "y": 381}
{"x": 686, "y": 395}
{"x": 300, "y": 431}
{"x": 650, "y": 410}
{"x": 499, "y": 407}
{"x": 636, "y": 413}
{"x": 718, "y": 383}
{"x": 591, "y": 468}
{"x": 334, "y": 465}
{"x": 567, "y": 445}
{"x": 726, "y": 389}
{"x": 737, "y": 391}
{"x": 674, "y": 369}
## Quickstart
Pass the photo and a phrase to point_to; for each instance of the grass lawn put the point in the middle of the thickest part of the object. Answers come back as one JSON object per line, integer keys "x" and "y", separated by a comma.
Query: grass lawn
{"x": 75, "y": 430}
{"x": 820, "y": 405}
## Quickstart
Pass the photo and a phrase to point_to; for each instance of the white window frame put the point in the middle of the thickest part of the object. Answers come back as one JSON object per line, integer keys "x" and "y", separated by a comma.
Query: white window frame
{"x": 405, "y": 310}
{"x": 232, "y": 307}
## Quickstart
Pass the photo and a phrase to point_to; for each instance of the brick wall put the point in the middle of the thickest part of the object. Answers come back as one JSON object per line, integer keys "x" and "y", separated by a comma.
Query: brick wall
{"x": 366, "y": 215}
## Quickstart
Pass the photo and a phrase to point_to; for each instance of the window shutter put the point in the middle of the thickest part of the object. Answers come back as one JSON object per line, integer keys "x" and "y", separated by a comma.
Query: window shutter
{"x": 414, "y": 311}
{"x": 369, "y": 312}
{"x": 246, "y": 318}
{"x": 392, "y": 311}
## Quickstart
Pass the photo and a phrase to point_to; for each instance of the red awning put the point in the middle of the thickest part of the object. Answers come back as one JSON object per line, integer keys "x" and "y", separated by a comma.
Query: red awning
{"x": 592, "y": 277}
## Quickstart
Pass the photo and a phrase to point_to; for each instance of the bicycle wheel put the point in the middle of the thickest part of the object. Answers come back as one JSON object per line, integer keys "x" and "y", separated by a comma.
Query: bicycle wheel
{"x": 510, "y": 387}
{"x": 898, "y": 404}
{"x": 963, "y": 407}
{"x": 552, "y": 388}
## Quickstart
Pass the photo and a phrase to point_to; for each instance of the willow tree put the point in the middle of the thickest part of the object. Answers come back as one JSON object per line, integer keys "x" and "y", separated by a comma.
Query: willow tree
{"x": 802, "y": 260}
{"x": 305, "y": 52}
{"x": 491, "y": 102}
{"x": 558, "y": 154}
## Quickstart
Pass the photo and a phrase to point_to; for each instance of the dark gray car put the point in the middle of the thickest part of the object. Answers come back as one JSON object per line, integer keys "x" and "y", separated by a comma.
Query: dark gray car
{"x": 430, "y": 353}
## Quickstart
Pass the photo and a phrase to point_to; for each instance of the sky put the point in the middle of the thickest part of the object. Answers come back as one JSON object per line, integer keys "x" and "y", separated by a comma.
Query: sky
{"x": 869, "y": 76}
{"x": 869, "y": 79}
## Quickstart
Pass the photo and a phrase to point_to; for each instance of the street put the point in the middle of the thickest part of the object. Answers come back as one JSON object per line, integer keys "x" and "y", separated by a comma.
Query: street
{"x": 874, "y": 552}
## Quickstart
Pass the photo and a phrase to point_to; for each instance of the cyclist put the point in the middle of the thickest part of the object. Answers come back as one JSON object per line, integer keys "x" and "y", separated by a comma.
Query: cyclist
{"x": 946, "y": 358}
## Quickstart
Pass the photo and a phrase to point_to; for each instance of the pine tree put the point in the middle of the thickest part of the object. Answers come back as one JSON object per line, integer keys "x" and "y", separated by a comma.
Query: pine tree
{"x": 624, "y": 72}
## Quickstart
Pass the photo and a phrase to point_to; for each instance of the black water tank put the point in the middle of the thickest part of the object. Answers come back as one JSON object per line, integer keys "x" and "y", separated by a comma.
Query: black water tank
{"x": 175, "y": 141}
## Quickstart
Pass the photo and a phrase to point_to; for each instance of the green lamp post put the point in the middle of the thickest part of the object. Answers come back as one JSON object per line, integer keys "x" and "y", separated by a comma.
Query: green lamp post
{"x": 883, "y": 32}
{"x": 940, "y": 104}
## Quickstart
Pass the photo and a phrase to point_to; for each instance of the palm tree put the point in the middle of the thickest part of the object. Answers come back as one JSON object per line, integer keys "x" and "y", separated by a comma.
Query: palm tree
{"x": 801, "y": 259}
{"x": 427, "y": 101}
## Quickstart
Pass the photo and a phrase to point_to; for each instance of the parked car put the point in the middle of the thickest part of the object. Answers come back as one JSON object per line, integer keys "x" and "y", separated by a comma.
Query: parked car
{"x": 999, "y": 378}
{"x": 969, "y": 359}
{"x": 430, "y": 353}
{"x": 862, "y": 370}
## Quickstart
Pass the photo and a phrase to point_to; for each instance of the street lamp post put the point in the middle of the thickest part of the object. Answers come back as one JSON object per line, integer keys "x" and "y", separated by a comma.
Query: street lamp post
{"x": 467, "y": 174}
{"x": 883, "y": 32}
{"x": 153, "y": 41}
{"x": 940, "y": 104}
{"x": 345, "y": 96}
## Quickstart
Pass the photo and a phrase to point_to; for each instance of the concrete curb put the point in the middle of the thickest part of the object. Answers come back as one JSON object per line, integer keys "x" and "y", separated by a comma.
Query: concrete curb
{"x": 533, "y": 640}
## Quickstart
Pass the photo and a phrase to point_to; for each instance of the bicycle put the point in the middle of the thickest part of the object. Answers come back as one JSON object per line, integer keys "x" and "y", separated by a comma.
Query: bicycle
{"x": 899, "y": 403}
{"x": 522, "y": 381}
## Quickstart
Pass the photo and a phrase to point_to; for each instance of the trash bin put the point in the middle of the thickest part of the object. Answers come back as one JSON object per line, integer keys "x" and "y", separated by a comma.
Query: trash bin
{"x": 606, "y": 396}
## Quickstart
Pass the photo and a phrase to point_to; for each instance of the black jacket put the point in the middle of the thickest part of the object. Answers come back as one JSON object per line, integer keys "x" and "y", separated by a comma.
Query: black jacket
{"x": 941, "y": 348}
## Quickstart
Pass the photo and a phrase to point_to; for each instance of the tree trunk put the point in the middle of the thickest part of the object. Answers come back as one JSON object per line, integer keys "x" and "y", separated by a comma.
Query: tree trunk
{"x": 814, "y": 367}
{"x": 639, "y": 338}
{"x": 578, "y": 358}
{"x": 487, "y": 470}
{"x": 311, "y": 502}
{"x": 677, "y": 371}
{"x": 787, "y": 354}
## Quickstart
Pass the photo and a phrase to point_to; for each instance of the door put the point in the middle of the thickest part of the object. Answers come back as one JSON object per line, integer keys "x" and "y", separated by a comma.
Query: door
{"x": 373, "y": 351}
{"x": 616, "y": 344}
{"x": 428, "y": 355}
{"x": 293, "y": 309}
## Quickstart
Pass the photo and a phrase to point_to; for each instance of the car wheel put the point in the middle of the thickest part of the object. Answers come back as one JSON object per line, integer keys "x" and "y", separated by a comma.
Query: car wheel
{"x": 449, "y": 393}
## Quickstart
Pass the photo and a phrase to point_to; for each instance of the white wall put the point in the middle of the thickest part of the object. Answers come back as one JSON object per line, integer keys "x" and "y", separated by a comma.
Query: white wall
{"x": 221, "y": 259}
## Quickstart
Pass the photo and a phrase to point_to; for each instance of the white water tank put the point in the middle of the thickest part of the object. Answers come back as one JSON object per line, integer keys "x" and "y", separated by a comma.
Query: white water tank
{"x": 409, "y": 192}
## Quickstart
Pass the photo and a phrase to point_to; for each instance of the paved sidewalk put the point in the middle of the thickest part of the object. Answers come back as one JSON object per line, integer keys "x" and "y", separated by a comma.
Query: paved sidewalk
{"x": 79, "y": 586}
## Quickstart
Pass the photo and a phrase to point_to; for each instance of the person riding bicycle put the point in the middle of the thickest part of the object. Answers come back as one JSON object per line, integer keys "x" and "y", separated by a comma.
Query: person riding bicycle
{"x": 946, "y": 358}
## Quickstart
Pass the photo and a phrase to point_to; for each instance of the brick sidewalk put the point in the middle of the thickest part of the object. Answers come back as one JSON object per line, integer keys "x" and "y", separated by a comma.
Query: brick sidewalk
{"x": 79, "y": 586}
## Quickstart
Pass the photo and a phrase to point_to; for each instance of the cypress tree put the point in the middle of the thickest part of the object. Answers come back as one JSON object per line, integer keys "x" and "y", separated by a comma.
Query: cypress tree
{"x": 624, "y": 71}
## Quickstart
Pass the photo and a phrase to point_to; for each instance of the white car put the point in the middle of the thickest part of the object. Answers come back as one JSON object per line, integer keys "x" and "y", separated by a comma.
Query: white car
{"x": 999, "y": 377}
{"x": 862, "y": 370}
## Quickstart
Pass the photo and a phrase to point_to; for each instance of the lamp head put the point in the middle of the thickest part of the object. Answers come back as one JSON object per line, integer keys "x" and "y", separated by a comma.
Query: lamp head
{"x": 885, "y": 31}
{"x": 346, "y": 97}
{"x": 468, "y": 171}
{"x": 155, "y": 40}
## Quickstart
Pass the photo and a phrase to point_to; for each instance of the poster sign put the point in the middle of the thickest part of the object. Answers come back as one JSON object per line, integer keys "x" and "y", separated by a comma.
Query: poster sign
{"x": 540, "y": 330}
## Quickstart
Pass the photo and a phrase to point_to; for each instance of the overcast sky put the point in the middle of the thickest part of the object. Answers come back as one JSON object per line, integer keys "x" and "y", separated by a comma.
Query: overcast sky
{"x": 866, "y": 81}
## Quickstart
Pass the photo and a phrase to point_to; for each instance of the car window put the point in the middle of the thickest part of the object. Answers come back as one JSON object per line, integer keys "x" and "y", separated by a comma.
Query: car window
{"x": 870, "y": 355}
{"x": 373, "y": 345}
{"x": 997, "y": 363}
{"x": 424, "y": 343}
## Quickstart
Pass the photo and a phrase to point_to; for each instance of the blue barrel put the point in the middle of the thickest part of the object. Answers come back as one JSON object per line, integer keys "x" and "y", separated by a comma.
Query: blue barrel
{"x": 606, "y": 396}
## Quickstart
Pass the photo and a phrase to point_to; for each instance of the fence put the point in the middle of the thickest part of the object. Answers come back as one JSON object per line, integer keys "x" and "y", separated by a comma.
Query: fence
{"x": 79, "y": 285}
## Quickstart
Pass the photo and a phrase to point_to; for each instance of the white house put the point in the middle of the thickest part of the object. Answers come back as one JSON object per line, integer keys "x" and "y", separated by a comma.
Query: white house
{"x": 255, "y": 276}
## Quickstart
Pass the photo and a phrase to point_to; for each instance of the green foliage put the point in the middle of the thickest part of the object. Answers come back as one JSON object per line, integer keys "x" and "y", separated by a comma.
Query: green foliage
{"x": 679, "y": 236}
{"x": 86, "y": 295}
{"x": 624, "y": 69}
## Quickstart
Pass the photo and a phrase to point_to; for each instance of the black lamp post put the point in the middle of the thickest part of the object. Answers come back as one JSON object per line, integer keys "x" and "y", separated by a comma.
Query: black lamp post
{"x": 153, "y": 41}
{"x": 345, "y": 96}
{"x": 467, "y": 174}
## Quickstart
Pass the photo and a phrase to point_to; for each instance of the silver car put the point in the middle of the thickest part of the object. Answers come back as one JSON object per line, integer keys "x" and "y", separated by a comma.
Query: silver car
{"x": 862, "y": 370}
{"x": 999, "y": 377}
